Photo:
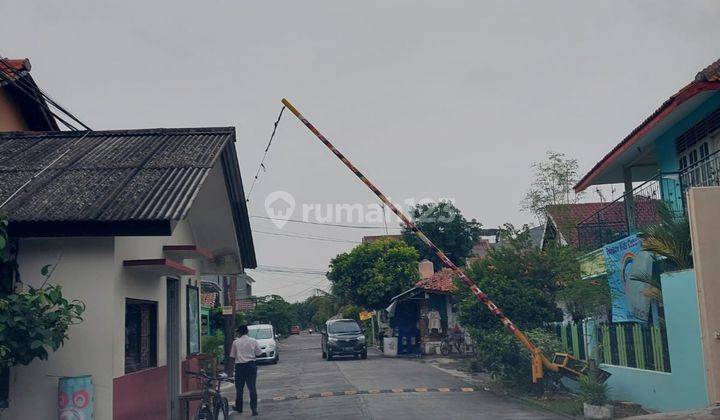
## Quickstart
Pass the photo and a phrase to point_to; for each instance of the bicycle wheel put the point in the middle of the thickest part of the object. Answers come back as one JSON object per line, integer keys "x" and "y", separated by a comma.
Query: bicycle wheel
{"x": 204, "y": 413}
{"x": 444, "y": 348}
{"x": 225, "y": 405}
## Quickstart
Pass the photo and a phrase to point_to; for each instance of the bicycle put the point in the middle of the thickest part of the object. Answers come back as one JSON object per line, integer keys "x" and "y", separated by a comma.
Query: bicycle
{"x": 449, "y": 341}
{"x": 212, "y": 401}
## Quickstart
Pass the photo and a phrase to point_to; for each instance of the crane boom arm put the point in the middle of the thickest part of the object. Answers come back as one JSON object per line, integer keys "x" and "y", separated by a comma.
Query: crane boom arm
{"x": 539, "y": 359}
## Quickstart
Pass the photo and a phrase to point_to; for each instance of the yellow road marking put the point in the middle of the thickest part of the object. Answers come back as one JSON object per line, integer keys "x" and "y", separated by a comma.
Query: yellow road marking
{"x": 351, "y": 392}
{"x": 374, "y": 391}
{"x": 302, "y": 396}
{"x": 398, "y": 391}
{"x": 278, "y": 398}
{"x": 467, "y": 389}
{"x": 327, "y": 394}
{"x": 444, "y": 389}
{"x": 420, "y": 389}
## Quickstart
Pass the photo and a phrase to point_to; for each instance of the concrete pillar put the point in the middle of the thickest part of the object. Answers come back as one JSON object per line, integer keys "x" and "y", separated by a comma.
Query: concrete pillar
{"x": 703, "y": 205}
{"x": 426, "y": 269}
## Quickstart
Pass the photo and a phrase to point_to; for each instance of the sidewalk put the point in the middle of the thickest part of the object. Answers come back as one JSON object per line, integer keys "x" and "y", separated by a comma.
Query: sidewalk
{"x": 705, "y": 413}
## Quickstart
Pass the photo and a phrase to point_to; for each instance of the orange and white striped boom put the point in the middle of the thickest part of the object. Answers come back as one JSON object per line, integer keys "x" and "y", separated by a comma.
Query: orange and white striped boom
{"x": 539, "y": 359}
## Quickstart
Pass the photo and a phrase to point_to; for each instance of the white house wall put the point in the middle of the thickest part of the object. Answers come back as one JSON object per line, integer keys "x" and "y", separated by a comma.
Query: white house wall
{"x": 89, "y": 349}
{"x": 137, "y": 284}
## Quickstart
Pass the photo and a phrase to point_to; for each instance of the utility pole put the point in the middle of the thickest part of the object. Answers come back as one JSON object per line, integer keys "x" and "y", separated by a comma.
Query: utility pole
{"x": 230, "y": 292}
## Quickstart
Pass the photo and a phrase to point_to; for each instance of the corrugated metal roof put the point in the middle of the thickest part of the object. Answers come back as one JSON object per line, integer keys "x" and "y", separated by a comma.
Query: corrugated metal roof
{"x": 107, "y": 175}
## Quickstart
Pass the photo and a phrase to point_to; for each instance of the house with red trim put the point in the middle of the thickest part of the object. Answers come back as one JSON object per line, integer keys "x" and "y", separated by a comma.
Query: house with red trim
{"x": 665, "y": 354}
{"x": 129, "y": 221}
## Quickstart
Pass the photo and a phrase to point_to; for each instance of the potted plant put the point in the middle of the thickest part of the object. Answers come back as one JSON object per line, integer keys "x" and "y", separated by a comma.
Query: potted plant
{"x": 593, "y": 393}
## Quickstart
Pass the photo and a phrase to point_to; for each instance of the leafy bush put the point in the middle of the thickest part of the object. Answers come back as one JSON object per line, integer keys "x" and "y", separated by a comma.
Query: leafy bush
{"x": 501, "y": 354}
{"x": 214, "y": 347}
{"x": 592, "y": 391}
{"x": 33, "y": 322}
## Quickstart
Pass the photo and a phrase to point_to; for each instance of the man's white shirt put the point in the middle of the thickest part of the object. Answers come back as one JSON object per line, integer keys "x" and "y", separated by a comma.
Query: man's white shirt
{"x": 245, "y": 349}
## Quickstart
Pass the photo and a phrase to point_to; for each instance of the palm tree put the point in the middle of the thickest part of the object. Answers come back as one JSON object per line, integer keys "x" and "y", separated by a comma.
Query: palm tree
{"x": 670, "y": 239}
{"x": 669, "y": 242}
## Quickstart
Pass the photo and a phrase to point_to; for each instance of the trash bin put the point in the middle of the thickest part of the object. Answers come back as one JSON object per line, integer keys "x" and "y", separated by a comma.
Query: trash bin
{"x": 390, "y": 346}
{"x": 76, "y": 398}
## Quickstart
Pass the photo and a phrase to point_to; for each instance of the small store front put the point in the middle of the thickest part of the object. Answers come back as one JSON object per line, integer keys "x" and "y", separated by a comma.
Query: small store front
{"x": 420, "y": 318}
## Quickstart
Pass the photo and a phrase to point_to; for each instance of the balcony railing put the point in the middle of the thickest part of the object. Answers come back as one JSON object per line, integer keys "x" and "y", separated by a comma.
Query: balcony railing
{"x": 704, "y": 173}
{"x": 623, "y": 216}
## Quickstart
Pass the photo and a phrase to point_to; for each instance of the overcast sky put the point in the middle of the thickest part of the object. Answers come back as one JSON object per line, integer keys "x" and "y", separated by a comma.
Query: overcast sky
{"x": 443, "y": 99}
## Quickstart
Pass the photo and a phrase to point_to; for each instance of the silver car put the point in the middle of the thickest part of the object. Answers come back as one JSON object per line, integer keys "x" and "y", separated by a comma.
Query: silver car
{"x": 265, "y": 335}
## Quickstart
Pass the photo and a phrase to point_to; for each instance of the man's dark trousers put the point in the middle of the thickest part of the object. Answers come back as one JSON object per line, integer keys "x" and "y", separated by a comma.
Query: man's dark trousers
{"x": 245, "y": 374}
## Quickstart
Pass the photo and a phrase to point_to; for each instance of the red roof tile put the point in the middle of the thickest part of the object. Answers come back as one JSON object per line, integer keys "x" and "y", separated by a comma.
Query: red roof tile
{"x": 710, "y": 73}
{"x": 208, "y": 299}
{"x": 441, "y": 281}
{"x": 19, "y": 65}
{"x": 244, "y": 305}
{"x": 566, "y": 217}
{"x": 707, "y": 79}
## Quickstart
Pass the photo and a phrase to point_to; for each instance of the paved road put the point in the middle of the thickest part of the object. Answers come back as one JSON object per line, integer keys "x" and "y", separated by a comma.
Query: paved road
{"x": 378, "y": 388}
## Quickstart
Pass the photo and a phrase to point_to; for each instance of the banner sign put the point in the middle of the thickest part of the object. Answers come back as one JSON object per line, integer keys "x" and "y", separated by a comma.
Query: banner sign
{"x": 592, "y": 265}
{"x": 365, "y": 315}
{"x": 629, "y": 304}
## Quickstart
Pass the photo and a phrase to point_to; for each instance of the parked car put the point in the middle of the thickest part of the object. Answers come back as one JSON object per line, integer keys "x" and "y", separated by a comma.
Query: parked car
{"x": 343, "y": 337}
{"x": 295, "y": 329}
{"x": 265, "y": 335}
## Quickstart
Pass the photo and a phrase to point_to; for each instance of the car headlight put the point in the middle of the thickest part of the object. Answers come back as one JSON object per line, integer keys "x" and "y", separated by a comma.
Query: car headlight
{"x": 361, "y": 338}
{"x": 332, "y": 340}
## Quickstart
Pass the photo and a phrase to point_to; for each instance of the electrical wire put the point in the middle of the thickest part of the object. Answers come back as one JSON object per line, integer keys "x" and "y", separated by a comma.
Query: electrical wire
{"x": 323, "y": 224}
{"x": 23, "y": 85}
{"x": 262, "y": 161}
{"x": 41, "y": 171}
{"x": 34, "y": 98}
{"x": 302, "y": 269}
{"x": 311, "y": 237}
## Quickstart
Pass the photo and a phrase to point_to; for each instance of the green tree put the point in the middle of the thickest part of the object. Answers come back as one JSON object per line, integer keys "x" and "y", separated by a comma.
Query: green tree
{"x": 521, "y": 279}
{"x": 326, "y": 307}
{"x": 315, "y": 310}
{"x": 372, "y": 273}
{"x": 445, "y": 225}
{"x": 526, "y": 282}
{"x": 553, "y": 184}
{"x": 274, "y": 310}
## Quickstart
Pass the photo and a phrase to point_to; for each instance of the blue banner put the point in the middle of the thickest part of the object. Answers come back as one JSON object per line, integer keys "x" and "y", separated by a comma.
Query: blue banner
{"x": 629, "y": 303}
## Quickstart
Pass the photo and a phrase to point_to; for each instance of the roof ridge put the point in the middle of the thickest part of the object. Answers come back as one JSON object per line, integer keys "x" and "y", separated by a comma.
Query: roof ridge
{"x": 139, "y": 131}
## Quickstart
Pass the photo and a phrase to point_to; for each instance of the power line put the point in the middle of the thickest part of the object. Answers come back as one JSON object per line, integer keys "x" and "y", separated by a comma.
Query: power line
{"x": 311, "y": 237}
{"x": 22, "y": 89}
{"x": 262, "y": 161}
{"x": 21, "y": 81}
{"x": 323, "y": 224}
{"x": 41, "y": 171}
{"x": 318, "y": 270}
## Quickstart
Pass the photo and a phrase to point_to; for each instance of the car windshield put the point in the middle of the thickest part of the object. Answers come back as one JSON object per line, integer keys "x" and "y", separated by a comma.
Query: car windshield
{"x": 260, "y": 333}
{"x": 343, "y": 327}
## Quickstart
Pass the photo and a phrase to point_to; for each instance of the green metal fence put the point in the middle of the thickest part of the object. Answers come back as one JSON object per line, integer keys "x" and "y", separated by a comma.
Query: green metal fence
{"x": 572, "y": 337}
{"x": 632, "y": 345}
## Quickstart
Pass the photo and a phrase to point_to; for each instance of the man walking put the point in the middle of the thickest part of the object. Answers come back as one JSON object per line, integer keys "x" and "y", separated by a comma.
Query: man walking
{"x": 244, "y": 351}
